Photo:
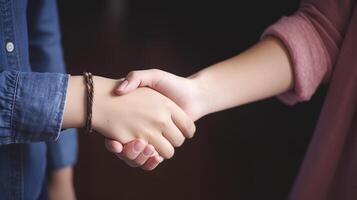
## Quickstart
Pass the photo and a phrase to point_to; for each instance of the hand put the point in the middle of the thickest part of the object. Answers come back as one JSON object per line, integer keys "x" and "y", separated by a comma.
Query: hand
{"x": 135, "y": 153}
{"x": 143, "y": 114}
{"x": 181, "y": 90}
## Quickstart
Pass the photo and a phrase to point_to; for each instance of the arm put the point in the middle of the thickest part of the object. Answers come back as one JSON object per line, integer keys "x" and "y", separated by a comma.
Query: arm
{"x": 262, "y": 71}
{"x": 33, "y": 107}
{"x": 294, "y": 57}
{"x": 46, "y": 55}
{"x": 299, "y": 55}
{"x": 144, "y": 114}
{"x": 313, "y": 37}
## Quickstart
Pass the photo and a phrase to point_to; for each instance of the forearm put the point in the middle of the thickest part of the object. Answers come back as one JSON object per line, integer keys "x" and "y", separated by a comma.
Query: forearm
{"x": 260, "y": 72}
{"x": 75, "y": 111}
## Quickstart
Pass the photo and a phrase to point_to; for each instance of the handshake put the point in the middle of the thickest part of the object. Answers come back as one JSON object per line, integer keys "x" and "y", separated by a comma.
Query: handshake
{"x": 147, "y": 114}
{"x": 143, "y": 117}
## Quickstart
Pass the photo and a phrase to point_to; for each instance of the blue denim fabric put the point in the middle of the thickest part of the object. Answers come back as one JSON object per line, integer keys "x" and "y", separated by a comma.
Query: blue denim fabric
{"x": 33, "y": 87}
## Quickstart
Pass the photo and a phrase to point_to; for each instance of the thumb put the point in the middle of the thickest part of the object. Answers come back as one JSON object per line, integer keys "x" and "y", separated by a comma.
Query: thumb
{"x": 142, "y": 78}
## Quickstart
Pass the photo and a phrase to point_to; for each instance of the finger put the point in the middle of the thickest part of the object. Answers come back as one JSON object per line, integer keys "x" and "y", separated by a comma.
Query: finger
{"x": 132, "y": 149}
{"x": 145, "y": 155}
{"x": 113, "y": 146}
{"x": 162, "y": 146}
{"x": 122, "y": 87}
{"x": 173, "y": 135}
{"x": 183, "y": 121}
{"x": 131, "y": 163}
{"x": 129, "y": 147}
{"x": 141, "y": 78}
{"x": 152, "y": 163}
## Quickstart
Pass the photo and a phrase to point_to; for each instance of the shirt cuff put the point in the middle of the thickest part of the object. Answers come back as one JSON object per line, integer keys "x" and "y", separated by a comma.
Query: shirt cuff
{"x": 307, "y": 53}
{"x": 33, "y": 106}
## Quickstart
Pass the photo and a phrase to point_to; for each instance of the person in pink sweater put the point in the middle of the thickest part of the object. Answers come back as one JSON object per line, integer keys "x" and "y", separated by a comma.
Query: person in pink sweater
{"x": 317, "y": 44}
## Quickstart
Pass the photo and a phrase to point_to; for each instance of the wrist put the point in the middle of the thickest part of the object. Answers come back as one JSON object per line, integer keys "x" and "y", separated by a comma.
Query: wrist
{"x": 201, "y": 98}
{"x": 103, "y": 94}
{"x": 75, "y": 107}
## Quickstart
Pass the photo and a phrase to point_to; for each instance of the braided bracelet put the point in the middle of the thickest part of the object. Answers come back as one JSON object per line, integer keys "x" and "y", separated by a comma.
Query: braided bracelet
{"x": 90, "y": 92}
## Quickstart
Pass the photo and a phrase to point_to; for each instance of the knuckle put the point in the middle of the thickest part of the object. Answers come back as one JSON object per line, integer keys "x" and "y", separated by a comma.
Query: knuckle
{"x": 129, "y": 156}
{"x": 154, "y": 70}
{"x": 109, "y": 146}
{"x": 147, "y": 135}
{"x": 132, "y": 75}
{"x": 170, "y": 153}
{"x": 179, "y": 142}
{"x": 169, "y": 107}
{"x": 162, "y": 123}
{"x": 190, "y": 128}
{"x": 139, "y": 162}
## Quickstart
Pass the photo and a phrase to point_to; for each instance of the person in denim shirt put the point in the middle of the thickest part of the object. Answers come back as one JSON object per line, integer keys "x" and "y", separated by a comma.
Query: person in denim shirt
{"x": 43, "y": 55}
{"x": 38, "y": 100}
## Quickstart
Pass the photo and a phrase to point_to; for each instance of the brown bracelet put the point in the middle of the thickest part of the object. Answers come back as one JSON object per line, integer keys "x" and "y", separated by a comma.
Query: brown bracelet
{"x": 90, "y": 92}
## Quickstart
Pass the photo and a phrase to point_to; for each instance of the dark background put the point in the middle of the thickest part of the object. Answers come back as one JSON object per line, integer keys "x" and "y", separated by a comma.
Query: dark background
{"x": 251, "y": 152}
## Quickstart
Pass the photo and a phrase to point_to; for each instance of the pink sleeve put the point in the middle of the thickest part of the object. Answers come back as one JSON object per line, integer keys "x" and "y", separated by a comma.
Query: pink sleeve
{"x": 312, "y": 36}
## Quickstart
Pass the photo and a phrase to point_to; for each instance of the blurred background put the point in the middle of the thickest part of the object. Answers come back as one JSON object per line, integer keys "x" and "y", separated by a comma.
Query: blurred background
{"x": 251, "y": 152}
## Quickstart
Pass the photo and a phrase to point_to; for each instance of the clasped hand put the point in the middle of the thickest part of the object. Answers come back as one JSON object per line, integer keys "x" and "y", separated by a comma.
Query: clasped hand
{"x": 147, "y": 122}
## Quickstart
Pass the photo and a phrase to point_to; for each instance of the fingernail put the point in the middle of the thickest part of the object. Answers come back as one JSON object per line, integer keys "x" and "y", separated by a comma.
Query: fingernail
{"x": 138, "y": 146}
{"x": 148, "y": 151}
{"x": 160, "y": 159}
{"x": 123, "y": 85}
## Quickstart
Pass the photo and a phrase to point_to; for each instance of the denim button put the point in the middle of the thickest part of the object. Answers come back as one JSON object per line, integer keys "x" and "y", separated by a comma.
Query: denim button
{"x": 10, "y": 47}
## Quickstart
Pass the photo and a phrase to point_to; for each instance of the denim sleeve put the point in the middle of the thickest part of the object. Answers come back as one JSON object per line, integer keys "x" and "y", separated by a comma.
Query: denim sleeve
{"x": 31, "y": 106}
{"x": 45, "y": 47}
{"x": 46, "y": 55}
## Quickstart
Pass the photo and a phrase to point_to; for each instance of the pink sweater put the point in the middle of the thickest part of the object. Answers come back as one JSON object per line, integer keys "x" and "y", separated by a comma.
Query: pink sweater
{"x": 321, "y": 38}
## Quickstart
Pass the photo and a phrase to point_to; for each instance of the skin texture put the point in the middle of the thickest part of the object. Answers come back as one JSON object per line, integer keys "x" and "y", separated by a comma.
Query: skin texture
{"x": 144, "y": 114}
{"x": 263, "y": 71}
{"x": 60, "y": 185}
{"x": 145, "y": 159}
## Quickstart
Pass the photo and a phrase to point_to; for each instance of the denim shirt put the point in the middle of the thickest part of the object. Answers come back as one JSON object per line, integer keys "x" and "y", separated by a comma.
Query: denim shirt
{"x": 33, "y": 88}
